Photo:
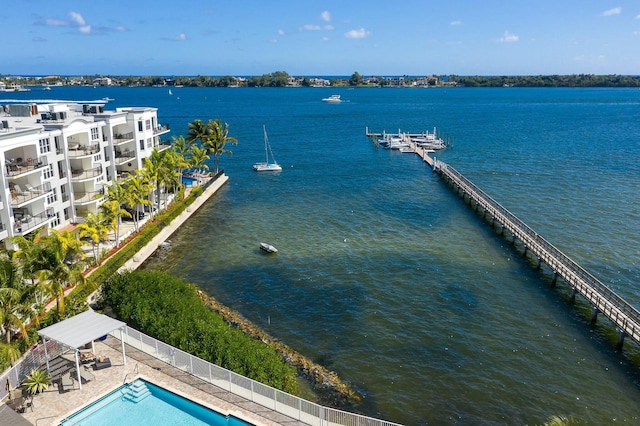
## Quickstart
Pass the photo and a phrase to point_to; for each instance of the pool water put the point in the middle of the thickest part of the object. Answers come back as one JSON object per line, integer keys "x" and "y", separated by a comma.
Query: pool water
{"x": 188, "y": 181}
{"x": 143, "y": 403}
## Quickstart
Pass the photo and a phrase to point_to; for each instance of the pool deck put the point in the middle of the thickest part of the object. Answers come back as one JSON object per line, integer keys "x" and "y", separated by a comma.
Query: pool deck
{"x": 53, "y": 405}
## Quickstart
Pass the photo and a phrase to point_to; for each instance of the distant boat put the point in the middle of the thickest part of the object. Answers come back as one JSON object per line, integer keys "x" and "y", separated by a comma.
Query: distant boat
{"x": 267, "y": 166}
{"x": 46, "y": 88}
{"x": 268, "y": 248}
{"x": 333, "y": 99}
{"x": 170, "y": 92}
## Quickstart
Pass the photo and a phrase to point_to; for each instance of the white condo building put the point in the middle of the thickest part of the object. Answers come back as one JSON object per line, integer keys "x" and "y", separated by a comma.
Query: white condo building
{"x": 58, "y": 158}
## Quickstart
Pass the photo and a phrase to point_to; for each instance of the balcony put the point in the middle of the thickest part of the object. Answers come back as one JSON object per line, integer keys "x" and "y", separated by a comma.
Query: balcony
{"x": 124, "y": 156}
{"x": 160, "y": 129}
{"x": 163, "y": 145}
{"x": 83, "y": 198}
{"x": 25, "y": 222}
{"x": 119, "y": 139}
{"x": 18, "y": 167}
{"x": 20, "y": 197}
{"x": 83, "y": 150}
{"x": 80, "y": 174}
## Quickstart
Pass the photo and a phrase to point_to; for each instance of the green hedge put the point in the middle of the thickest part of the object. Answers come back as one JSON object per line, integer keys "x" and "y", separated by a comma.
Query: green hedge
{"x": 170, "y": 310}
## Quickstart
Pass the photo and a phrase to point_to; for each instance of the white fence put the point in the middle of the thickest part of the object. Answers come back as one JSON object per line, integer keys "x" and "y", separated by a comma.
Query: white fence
{"x": 289, "y": 405}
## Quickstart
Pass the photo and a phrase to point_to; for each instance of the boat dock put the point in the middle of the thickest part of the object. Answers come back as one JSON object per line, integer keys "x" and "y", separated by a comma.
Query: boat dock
{"x": 603, "y": 300}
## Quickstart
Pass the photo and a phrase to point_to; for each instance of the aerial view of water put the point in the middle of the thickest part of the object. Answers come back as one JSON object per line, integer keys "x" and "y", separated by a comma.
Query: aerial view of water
{"x": 385, "y": 276}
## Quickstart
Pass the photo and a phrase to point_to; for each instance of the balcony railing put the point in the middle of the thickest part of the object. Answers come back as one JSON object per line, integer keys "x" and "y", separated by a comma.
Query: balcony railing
{"x": 163, "y": 145}
{"x": 119, "y": 138}
{"x": 124, "y": 156}
{"x": 88, "y": 197}
{"x": 25, "y": 222}
{"x": 85, "y": 174}
{"x": 81, "y": 150}
{"x": 20, "y": 196}
{"x": 15, "y": 168}
{"x": 161, "y": 129}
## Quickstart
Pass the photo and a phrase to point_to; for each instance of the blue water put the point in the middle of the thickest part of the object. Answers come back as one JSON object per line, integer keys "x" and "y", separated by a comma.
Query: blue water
{"x": 161, "y": 407}
{"x": 385, "y": 276}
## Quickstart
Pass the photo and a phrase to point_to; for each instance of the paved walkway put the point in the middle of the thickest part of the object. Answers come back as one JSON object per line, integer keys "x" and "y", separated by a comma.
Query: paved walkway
{"x": 167, "y": 231}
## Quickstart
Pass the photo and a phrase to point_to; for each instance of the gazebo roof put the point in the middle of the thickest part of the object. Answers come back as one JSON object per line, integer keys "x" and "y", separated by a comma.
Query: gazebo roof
{"x": 81, "y": 329}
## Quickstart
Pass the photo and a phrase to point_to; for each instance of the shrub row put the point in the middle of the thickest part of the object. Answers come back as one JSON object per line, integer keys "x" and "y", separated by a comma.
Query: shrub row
{"x": 170, "y": 310}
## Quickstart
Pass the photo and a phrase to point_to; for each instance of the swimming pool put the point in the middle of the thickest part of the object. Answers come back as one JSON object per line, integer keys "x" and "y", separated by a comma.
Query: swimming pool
{"x": 188, "y": 181}
{"x": 143, "y": 403}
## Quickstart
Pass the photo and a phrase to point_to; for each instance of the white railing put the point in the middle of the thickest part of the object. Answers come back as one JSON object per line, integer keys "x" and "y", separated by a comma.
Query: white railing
{"x": 274, "y": 399}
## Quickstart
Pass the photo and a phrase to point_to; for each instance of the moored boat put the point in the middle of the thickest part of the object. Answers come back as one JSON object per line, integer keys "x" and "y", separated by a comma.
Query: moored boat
{"x": 268, "y": 248}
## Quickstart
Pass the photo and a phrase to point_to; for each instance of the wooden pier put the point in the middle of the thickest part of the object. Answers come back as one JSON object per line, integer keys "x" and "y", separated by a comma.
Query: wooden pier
{"x": 602, "y": 299}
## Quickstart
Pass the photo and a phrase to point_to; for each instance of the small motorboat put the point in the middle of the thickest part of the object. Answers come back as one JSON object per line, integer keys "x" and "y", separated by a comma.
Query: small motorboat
{"x": 333, "y": 99}
{"x": 268, "y": 248}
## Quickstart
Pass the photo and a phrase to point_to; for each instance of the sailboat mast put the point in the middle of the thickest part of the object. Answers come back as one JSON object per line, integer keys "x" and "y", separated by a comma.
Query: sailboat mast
{"x": 266, "y": 143}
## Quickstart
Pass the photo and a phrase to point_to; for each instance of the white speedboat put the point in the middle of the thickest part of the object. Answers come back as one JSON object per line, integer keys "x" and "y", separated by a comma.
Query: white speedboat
{"x": 267, "y": 166}
{"x": 333, "y": 99}
{"x": 268, "y": 248}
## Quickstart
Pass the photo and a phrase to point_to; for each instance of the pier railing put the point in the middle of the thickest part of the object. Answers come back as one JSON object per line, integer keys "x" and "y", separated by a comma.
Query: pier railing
{"x": 602, "y": 298}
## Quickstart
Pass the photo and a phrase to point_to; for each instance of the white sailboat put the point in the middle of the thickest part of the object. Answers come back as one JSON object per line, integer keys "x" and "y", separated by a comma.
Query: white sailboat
{"x": 170, "y": 92}
{"x": 267, "y": 166}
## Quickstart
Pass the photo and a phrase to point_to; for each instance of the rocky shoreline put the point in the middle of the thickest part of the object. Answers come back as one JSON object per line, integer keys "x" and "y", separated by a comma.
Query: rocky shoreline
{"x": 329, "y": 388}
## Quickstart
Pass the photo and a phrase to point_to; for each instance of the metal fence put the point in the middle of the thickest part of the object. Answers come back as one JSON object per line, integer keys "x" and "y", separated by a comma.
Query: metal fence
{"x": 274, "y": 399}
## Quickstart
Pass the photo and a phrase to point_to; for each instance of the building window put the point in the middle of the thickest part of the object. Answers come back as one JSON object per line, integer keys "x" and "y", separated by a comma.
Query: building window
{"x": 56, "y": 222}
{"x": 97, "y": 157}
{"x": 47, "y": 173}
{"x": 44, "y": 146}
{"x": 148, "y": 123}
{"x": 141, "y": 143}
{"x": 94, "y": 134}
{"x": 139, "y": 126}
{"x": 52, "y": 197}
{"x": 149, "y": 143}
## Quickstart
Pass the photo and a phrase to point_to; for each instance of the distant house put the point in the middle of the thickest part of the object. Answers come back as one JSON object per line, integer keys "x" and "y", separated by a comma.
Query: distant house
{"x": 102, "y": 81}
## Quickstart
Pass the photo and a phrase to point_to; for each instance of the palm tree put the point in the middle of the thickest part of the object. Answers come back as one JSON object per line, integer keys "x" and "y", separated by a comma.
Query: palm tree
{"x": 17, "y": 301}
{"x": 113, "y": 208}
{"x": 95, "y": 227}
{"x": 63, "y": 266}
{"x": 159, "y": 169}
{"x": 216, "y": 140}
{"x": 183, "y": 149}
{"x": 198, "y": 131}
{"x": 199, "y": 157}
{"x": 137, "y": 192}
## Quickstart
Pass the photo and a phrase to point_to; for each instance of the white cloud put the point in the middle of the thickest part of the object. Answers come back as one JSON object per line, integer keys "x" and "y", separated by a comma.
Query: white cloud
{"x": 325, "y": 38}
{"x": 361, "y": 33}
{"x": 325, "y": 16}
{"x": 56, "y": 22}
{"x": 611, "y": 12}
{"x": 77, "y": 19}
{"x": 638, "y": 17}
{"x": 310, "y": 27}
{"x": 508, "y": 38}
{"x": 456, "y": 22}
{"x": 280, "y": 32}
{"x": 181, "y": 37}
{"x": 328, "y": 27}
{"x": 120, "y": 28}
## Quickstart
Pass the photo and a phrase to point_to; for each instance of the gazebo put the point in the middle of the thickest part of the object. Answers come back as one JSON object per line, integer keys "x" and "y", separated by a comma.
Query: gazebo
{"x": 79, "y": 330}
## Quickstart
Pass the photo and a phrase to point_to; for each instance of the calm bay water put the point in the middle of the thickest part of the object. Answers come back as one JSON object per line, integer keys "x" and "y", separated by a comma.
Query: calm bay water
{"x": 386, "y": 277}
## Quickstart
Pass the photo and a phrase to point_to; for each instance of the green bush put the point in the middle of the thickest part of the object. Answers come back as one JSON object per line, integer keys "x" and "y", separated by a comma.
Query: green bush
{"x": 170, "y": 310}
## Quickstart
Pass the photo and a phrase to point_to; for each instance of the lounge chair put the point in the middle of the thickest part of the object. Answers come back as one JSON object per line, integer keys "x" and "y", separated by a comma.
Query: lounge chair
{"x": 18, "y": 190}
{"x": 66, "y": 381}
{"x": 84, "y": 375}
{"x": 33, "y": 190}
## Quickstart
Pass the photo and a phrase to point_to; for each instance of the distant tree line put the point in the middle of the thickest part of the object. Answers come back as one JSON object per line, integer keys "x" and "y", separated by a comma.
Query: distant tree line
{"x": 283, "y": 79}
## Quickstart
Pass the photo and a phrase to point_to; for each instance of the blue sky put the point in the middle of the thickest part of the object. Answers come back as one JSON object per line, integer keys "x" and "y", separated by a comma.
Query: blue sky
{"x": 318, "y": 38}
